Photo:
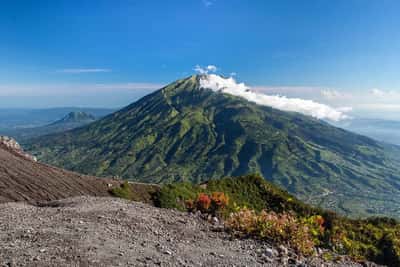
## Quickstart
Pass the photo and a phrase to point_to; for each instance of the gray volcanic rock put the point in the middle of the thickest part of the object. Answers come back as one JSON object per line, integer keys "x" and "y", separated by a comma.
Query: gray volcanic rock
{"x": 88, "y": 231}
{"x": 12, "y": 144}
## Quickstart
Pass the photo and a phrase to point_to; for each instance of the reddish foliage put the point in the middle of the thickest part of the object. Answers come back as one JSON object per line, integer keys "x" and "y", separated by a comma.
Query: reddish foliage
{"x": 203, "y": 202}
{"x": 189, "y": 204}
{"x": 319, "y": 220}
{"x": 220, "y": 199}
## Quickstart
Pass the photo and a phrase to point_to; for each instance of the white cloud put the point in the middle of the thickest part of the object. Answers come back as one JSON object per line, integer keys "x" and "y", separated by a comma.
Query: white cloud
{"x": 344, "y": 109}
{"x": 333, "y": 94}
{"x": 372, "y": 102}
{"x": 218, "y": 83}
{"x": 79, "y": 71}
{"x": 212, "y": 68}
{"x": 381, "y": 93}
{"x": 294, "y": 91}
{"x": 377, "y": 92}
{"x": 199, "y": 69}
{"x": 307, "y": 107}
{"x": 205, "y": 70}
{"x": 208, "y": 3}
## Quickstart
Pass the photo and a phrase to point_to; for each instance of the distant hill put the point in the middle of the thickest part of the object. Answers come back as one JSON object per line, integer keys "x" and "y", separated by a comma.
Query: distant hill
{"x": 76, "y": 117}
{"x": 184, "y": 132}
{"x": 71, "y": 121}
{"x": 29, "y": 118}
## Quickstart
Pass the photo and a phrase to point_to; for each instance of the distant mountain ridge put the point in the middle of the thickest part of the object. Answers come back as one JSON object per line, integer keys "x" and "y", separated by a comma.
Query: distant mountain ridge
{"x": 18, "y": 118}
{"x": 383, "y": 130}
{"x": 70, "y": 121}
{"x": 76, "y": 117}
{"x": 183, "y": 132}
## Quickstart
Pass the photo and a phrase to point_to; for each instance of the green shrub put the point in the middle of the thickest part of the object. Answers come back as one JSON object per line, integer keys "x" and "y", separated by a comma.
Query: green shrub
{"x": 175, "y": 196}
{"x": 124, "y": 191}
{"x": 250, "y": 191}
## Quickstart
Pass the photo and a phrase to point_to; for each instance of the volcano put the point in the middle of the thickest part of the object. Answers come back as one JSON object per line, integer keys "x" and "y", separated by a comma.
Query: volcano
{"x": 188, "y": 132}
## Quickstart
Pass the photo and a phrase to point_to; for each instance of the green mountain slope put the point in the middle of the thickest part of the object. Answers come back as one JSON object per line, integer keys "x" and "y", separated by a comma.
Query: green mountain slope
{"x": 184, "y": 133}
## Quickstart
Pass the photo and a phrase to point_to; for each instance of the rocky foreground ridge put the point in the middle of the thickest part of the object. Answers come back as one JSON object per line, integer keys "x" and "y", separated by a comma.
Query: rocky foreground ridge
{"x": 89, "y": 231}
{"x": 24, "y": 179}
{"x": 12, "y": 145}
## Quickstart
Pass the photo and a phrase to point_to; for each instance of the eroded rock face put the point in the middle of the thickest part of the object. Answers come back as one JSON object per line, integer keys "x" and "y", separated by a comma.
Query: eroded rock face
{"x": 9, "y": 142}
{"x": 13, "y": 145}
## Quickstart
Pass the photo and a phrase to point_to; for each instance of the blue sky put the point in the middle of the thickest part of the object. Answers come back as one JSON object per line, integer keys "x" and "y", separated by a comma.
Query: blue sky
{"x": 109, "y": 53}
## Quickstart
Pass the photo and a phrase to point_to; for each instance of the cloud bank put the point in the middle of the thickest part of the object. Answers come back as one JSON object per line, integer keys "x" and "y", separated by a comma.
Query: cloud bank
{"x": 307, "y": 107}
{"x": 79, "y": 71}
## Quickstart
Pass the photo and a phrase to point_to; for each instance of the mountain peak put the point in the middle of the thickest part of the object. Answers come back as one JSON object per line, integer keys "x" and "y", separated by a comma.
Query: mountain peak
{"x": 214, "y": 82}
{"x": 229, "y": 85}
{"x": 221, "y": 83}
{"x": 77, "y": 116}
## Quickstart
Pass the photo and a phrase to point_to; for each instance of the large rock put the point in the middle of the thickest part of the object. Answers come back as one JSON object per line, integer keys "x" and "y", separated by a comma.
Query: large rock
{"x": 10, "y": 144}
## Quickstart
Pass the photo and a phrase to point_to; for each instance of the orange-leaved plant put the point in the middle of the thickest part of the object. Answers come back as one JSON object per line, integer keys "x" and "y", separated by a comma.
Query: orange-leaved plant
{"x": 219, "y": 199}
{"x": 282, "y": 228}
{"x": 203, "y": 202}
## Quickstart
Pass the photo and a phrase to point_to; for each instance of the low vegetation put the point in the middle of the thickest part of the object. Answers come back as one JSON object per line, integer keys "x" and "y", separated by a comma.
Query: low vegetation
{"x": 213, "y": 204}
{"x": 136, "y": 192}
{"x": 124, "y": 191}
{"x": 255, "y": 208}
{"x": 282, "y": 227}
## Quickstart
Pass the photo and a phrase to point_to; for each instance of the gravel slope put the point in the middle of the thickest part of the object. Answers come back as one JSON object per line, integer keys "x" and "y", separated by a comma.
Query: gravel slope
{"x": 22, "y": 179}
{"x": 89, "y": 231}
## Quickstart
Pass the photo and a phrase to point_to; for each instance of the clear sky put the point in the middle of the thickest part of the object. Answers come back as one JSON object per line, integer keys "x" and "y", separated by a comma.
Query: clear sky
{"x": 345, "y": 53}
